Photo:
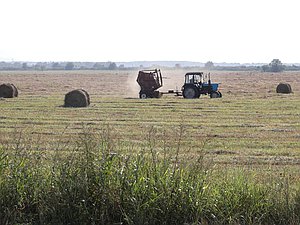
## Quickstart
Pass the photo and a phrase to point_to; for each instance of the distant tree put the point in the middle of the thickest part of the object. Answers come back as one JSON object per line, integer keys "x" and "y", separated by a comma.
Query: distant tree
{"x": 69, "y": 66}
{"x": 40, "y": 66}
{"x": 276, "y": 66}
{"x": 292, "y": 68}
{"x": 55, "y": 65}
{"x": 265, "y": 68}
{"x": 122, "y": 66}
{"x": 112, "y": 66}
{"x": 209, "y": 65}
{"x": 98, "y": 66}
{"x": 177, "y": 65}
{"x": 24, "y": 66}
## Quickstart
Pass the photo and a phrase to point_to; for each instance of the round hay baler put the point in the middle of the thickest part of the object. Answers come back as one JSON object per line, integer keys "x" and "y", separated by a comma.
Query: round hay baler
{"x": 8, "y": 91}
{"x": 77, "y": 98}
{"x": 284, "y": 88}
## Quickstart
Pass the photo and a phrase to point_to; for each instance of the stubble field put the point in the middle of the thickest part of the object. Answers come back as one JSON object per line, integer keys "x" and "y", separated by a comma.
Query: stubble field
{"x": 234, "y": 160}
{"x": 251, "y": 124}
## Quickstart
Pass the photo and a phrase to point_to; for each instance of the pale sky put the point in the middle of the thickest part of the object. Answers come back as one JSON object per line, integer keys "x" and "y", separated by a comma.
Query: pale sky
{"x": 135, "y": 30}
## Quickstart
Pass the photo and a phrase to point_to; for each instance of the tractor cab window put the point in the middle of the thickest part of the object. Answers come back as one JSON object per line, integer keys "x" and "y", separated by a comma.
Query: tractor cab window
{"x": 197, "y": 78}
{"x": 193, "y": 79}
{"x": 189, "y": 79}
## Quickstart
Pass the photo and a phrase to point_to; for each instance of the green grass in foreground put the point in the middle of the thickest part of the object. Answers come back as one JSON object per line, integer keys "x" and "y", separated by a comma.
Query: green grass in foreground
{"x": 98, "y": 182}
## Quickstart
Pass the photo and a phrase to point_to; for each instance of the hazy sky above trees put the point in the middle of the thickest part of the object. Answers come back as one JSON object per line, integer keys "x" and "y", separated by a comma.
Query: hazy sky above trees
{"x": 118, "y": 30}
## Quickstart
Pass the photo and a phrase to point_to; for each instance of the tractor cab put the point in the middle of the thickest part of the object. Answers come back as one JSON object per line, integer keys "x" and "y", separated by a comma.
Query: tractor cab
{"x": 194, "y": 78}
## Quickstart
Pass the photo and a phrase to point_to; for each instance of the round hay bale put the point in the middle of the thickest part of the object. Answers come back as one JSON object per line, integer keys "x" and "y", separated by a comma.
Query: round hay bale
{"x": 8, "y": 91}
{"x": 77, "y": 98}
{"x": 284, "y": 88}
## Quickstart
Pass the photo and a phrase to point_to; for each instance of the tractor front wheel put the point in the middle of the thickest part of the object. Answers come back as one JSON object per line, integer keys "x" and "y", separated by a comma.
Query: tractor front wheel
{"x": 214, "y": 95}
{"x": 190, "y": 92}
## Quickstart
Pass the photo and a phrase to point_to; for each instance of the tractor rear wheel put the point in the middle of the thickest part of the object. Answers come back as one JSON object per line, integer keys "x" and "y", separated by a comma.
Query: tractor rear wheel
{"x": 216, "y": 94}
{"x": 190, "y": 92}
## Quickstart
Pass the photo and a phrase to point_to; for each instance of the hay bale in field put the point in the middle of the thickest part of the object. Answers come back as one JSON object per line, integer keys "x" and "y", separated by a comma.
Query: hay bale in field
{"x": 8, "y": 91}
{"x": 77, "y": 98}
{"x": 284, "y": 88}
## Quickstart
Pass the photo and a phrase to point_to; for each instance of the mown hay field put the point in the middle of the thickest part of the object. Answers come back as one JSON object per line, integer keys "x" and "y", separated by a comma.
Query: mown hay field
{"x": 124, "y": 160}
{"x": 250, "y": 125}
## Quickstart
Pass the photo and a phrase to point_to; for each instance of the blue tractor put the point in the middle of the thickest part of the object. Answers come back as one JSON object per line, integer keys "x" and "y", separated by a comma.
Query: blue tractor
{"x": 195, "y": 86}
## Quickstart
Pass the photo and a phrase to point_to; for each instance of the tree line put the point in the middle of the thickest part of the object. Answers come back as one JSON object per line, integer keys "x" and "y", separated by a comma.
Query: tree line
{"x": 274, "y": 66}
{"x": 59, "y": 66}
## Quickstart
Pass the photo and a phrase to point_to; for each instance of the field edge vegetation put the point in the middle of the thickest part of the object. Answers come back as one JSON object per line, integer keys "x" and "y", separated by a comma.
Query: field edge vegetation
{"x": 99, "y": 182}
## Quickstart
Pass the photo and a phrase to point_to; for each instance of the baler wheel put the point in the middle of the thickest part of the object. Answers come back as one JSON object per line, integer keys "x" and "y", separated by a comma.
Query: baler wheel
{"x": 143, "y": 96}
